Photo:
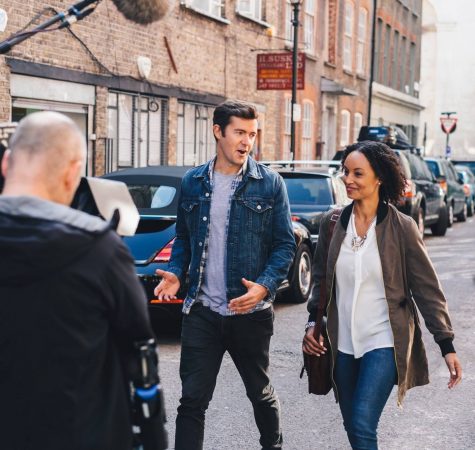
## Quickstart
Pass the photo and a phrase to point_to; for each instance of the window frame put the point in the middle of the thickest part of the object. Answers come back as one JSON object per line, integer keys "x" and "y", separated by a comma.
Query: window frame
{"x": 208, "y": 11}
{"x": 362, "y": 41}
{"x": 307, "y": 129}
{"x": 348, "y": 31}
{"x": 310, "y": 14}
{"x": 357, "y": 124}
{"x": 287, "y": 127}
{"x": 345, "y": 116}
{"x": 254, "y": 6}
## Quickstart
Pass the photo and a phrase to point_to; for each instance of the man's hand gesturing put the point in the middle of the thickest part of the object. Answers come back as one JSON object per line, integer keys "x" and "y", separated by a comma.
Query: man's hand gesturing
{"x": 255, "y": 293}
{"x": 168, "y": 287}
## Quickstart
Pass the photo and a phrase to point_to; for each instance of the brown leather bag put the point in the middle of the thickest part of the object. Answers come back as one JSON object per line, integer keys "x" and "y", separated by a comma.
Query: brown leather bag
{"x": 319, "y": 368}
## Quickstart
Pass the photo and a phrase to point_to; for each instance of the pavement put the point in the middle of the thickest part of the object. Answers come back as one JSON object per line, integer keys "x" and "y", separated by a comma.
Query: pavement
{"x": 432, "y": 418}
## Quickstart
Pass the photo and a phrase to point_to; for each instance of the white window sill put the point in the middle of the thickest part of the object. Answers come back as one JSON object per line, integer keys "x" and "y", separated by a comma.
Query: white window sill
{"x": 253, "y": 19}
{"x": 205, "y": 13}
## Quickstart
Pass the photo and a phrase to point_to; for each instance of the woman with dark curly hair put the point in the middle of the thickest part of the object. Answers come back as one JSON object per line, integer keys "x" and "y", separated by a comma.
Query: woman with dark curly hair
{"x": 376, "y": 270}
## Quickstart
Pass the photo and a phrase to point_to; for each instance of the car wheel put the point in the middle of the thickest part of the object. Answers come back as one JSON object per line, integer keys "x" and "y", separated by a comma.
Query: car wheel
{"x": 301, "y": 283}
{"x": 440, "y": 227}
{"x": 421, "y": 221}
{"x": 470, "y": 207}
{"x": 450, "y": 212}
{"x": 462, "y": 217}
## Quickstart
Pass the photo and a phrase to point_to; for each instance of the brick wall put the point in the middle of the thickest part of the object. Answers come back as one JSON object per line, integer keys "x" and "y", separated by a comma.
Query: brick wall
{"x": 211, "y": 57}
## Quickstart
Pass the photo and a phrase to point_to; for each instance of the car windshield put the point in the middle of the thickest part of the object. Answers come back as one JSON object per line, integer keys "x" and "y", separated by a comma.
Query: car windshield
{"x": 151, "y": 196}
{"x": 309, "y": 191}
{"x": 434, "y": 168}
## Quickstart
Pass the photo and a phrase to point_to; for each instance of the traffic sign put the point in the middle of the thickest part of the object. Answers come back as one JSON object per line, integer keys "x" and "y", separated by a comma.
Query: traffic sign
{"x": 448, "y": 124}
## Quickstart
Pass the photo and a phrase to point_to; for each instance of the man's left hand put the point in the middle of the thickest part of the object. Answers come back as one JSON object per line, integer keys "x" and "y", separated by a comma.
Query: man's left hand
{"x": 255, "y": 293}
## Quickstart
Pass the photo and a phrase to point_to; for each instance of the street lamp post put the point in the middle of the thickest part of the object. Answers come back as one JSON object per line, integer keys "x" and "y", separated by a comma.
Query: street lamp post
{"x": 295, "y": 23}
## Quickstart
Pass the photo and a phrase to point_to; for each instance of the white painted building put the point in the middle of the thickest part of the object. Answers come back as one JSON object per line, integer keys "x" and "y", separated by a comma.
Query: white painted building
{"x": 448, "y": 75}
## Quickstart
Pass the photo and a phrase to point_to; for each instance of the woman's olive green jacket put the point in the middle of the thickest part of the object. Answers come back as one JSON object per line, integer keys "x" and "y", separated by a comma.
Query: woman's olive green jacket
{"x": 409, "y": 278}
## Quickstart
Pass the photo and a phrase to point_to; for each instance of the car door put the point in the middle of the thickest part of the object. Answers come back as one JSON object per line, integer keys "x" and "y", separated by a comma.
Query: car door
{"x": 456, "y": 187}
{"x": 428, "y": 186}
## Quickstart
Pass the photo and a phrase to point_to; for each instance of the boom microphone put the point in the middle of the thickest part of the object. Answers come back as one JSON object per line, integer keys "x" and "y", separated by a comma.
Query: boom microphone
{"x": 143, "y": 11}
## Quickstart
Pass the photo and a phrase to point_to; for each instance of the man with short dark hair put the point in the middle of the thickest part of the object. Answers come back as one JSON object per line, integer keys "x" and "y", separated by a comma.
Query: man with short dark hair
{"x": 235, "y": 243}
{"x": 71, "y": 305}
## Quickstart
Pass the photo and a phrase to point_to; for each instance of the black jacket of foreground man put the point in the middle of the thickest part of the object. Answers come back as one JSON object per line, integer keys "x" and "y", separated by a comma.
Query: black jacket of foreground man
{"x": 71, "y": 308}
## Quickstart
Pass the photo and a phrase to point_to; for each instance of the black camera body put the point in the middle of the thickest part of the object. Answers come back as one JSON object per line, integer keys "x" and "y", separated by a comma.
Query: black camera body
{"x": 148, "y": 406}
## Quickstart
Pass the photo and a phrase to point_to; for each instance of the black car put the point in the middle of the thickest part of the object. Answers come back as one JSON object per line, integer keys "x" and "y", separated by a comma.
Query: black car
{"x": 424, "y": 199}
{"x": 469, "y": 187}
{"x": 311, "y": 193}
{"x": 155, "y": 191}
{"x": 452, "y": 184}
{"x": 468, "y": 163}
{"x": 392, "y": 136}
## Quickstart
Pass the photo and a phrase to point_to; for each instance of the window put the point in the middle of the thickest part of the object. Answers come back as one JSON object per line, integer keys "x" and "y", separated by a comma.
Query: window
{"x": 402, "y": 64}
{"x": 307, "y": 130}
{"x": 394, "y": 64}
{"x": 348, "y": 38}
{"x": 195, "y": 140}
{"x": 252, "y": 8}
{"x": 287, "y": 124}
{"x": 136, "y": 131}
{"x": 358, "y": 122}
{"x": 387, "y": 46}
{"x": 289, "y": 32}
{"x": 309, "y": 26}
{"x": 361, "y": 51}
{"x": 377, "y": 51}
{"x": 412, "y": 63}
{"x": 345, "y": 128}
{"x": 211, "y": 7}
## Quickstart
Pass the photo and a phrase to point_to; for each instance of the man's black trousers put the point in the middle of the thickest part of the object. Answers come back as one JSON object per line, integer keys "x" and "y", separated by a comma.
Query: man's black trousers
{"x": 206, "y": 336}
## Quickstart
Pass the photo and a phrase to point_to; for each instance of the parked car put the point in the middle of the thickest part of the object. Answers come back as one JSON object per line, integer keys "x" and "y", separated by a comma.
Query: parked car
{"x": 468, "y": 163}
{"x": 469, "y": 187}
{"x": 312, "y": 192}
{"x": 393, "y": 136}
{"x": 155, "y": 191}
{"x": 452, "y": 184}
{"x": 424, "y": 200}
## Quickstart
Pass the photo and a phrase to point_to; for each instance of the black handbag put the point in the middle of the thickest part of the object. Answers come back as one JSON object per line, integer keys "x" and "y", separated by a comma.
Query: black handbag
{"x": 319, "y": 368}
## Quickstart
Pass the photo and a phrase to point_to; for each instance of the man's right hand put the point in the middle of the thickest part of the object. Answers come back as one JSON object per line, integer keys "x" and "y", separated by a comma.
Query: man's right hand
{"x": 168, "y": 287}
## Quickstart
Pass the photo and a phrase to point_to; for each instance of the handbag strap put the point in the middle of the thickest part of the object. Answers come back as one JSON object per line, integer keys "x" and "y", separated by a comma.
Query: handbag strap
{"x": 322, "y": 300}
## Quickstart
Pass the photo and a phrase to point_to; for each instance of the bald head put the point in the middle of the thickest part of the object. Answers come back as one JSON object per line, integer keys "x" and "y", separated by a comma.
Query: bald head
{"x": 47, "y": 151}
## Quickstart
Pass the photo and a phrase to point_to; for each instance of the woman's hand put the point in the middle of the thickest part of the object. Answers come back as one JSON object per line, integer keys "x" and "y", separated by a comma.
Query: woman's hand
{"x": 310, "y": 346}
{"x": 455, "y": 369}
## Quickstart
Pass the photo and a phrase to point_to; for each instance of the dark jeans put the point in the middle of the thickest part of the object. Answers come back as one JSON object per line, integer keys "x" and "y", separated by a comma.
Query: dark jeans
{"x": 205, "y": 337}
{"x": 364, "y": 385}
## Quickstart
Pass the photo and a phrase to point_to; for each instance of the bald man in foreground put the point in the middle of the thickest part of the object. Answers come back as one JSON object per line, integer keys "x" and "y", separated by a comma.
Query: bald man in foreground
{"x": 71, "y": 307}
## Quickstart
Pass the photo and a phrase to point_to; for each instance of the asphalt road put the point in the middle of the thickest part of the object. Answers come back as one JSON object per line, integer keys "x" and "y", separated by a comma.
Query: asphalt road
{"x": 432, "y": 418}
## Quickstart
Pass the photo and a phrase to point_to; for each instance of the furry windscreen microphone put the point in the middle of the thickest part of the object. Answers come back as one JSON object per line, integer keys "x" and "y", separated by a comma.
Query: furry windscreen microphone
{"x": 143, "y": 11}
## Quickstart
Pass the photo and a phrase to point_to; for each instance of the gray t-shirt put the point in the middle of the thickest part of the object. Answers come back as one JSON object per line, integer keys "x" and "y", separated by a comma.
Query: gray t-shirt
{"x": 213, "y": 289}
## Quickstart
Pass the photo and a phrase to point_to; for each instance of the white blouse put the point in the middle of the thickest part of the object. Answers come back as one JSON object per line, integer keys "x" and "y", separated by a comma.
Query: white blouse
{"x": 363, "y": 316}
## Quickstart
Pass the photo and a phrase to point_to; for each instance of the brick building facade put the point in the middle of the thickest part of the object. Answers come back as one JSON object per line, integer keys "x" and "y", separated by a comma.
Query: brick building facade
{"x": 202, "y": 52}
{"x": 397, "y": 65}
{"x": 200, "y": 55}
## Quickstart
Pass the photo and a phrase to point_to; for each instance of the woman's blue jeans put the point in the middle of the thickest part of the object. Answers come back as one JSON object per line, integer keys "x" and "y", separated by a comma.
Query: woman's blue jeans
{"x": 364, "y": 385}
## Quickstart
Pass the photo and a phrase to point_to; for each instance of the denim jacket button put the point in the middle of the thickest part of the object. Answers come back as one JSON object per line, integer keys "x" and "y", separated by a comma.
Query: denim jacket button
{"x": 207, "y": 194}
{"x": 205, "y": 219}
{"x": 259, "y": 206}
{"x": 201, "y": 244}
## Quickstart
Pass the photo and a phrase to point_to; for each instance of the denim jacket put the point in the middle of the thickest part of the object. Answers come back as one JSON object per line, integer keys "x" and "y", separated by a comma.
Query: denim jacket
{"x": 260, "y": 243}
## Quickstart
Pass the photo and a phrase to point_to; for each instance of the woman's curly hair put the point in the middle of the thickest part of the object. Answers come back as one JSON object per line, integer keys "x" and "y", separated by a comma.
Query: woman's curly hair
{"x": 386, "y": 166}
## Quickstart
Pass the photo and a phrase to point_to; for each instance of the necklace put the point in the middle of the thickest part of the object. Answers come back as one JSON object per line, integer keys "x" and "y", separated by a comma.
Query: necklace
{"x": 357, "y": 241}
